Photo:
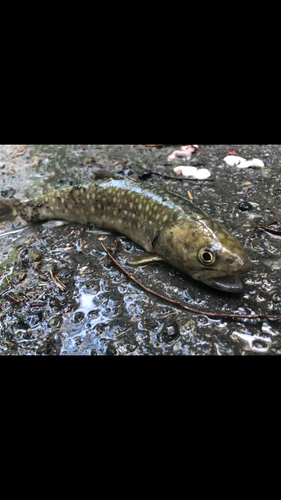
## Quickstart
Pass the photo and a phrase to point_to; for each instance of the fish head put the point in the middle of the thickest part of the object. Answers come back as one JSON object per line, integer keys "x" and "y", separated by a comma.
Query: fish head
{"x": 207, "y": 252}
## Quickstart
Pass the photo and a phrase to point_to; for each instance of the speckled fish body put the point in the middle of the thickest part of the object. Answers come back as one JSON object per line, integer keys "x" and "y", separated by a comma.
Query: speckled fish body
{"x": 159, "y": 221}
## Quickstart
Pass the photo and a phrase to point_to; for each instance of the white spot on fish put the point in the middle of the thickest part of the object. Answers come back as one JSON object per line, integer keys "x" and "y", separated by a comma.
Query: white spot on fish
{"x": 165, "y": 218}
{"x": 131, "y": 205}
{"x": 114, "y": 199}
{"x": 140, "y": 206}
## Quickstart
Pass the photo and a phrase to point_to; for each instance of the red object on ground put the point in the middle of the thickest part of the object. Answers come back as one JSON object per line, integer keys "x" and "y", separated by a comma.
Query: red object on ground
{"x": 231, "y": 152}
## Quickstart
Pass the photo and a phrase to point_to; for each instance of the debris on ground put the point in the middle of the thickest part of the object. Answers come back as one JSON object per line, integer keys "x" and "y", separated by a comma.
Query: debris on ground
{"x": 201, "y": 173}
{"x": 185, "y": 153}
{"x": 242, "y": 163}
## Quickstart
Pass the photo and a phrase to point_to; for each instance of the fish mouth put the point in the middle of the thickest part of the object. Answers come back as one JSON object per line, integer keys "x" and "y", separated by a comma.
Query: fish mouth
{"x": 226, "y": 283}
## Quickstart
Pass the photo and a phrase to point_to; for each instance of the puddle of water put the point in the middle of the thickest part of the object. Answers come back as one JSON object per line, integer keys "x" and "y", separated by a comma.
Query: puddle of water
{"x": 253, "y": 343}
{"x": 84, "y": 332}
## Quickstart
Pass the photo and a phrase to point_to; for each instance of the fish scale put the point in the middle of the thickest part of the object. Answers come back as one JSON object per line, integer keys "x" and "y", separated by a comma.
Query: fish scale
{"x": 158, "y": 220}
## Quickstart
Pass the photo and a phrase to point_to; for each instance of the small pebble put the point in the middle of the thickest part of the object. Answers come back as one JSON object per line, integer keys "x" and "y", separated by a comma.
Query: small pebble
{"x": 33, "y": 256}
{"x": 144, "y": 175}
{"x": 245, "y": 205}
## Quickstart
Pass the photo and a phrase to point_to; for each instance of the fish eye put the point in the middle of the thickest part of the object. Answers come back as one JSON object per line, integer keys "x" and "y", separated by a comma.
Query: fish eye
{"x": 206, "y": 256}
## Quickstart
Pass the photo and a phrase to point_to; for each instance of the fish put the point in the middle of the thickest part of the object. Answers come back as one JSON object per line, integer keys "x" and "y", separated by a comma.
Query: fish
{"x": 163, "y": 223}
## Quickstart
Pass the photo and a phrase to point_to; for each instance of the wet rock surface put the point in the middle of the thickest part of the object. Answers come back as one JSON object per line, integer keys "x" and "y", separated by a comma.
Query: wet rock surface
{"x": 59, "y": 296}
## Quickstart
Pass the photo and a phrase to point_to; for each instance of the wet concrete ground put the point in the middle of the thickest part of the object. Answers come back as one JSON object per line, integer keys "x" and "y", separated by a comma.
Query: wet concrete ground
{"x": 59, "y": 296}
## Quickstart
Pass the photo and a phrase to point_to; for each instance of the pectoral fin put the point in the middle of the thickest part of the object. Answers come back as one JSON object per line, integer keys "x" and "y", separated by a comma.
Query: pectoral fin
{"x": 145, "y": 259}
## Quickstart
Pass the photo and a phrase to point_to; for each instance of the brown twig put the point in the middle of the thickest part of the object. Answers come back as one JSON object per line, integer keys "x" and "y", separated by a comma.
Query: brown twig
{"x": 191, "y": 309}
{"x": 274, "y": 228}
{"x": 29, "y": 239}
{"x": 16, "y": 301}
{"x": 21, "y": 277}
{"x": 19, "y": 153}
{"x": 57, "y": 281}
{"x": 81, "y": 238}
{"x": 42, "y": 277}
{"x": 117, "y": 241}
{"x": 60, "y": 283}
{"x": 171, "y": 314}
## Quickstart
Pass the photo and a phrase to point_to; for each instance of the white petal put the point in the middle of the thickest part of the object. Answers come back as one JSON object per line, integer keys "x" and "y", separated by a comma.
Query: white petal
{"x": 245, "y": 164}
{"x": 257, "y": 163}
{"x": 185, "y": 170}
{"x": 233, "y": 160}
{"x": 203, "y": 173}
{"x": 251, "y": 163}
